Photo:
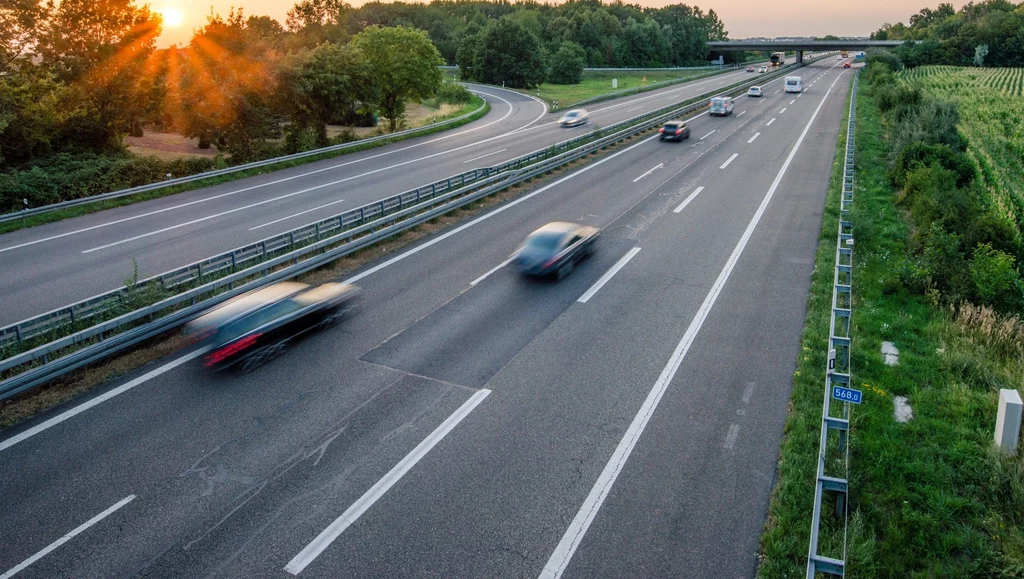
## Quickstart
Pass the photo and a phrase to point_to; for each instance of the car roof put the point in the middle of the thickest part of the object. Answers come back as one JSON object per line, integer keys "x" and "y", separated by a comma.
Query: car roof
{"x": 246, "y": 303}
{"x": 675, "y": 122}
{"x": 555, "y": 228}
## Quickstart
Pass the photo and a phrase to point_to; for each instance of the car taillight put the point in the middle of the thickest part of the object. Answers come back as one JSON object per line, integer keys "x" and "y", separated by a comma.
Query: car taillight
{"x": 679, "y": 132}
{"x": 231, "y": 349}
{"x": 550, "y": 262}
{"x": 661, "y": 130}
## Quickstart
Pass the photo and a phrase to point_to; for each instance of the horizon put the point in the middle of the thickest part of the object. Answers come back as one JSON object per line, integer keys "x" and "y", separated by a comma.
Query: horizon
{"x": 788, "y": 18}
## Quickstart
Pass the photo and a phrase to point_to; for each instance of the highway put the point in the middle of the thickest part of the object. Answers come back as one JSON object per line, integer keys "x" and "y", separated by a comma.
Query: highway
{"x": 61, "y": 263}
{"x": 466, "y": 422}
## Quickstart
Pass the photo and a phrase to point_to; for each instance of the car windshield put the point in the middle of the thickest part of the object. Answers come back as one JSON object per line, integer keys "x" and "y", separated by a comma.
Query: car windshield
{"x": 571, "y": 114}
{"x": 672, "y": 126}
{"x": 543, "y": 241}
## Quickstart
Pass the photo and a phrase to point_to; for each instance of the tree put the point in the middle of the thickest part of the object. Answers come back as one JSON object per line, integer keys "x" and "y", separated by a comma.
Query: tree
{"x": 567, "y": 64}
{"x": 509, "y": 55}
{"x": 19, "y": 25}
{"x": 404, "y": 65}
{"x": 330, "y": 80}
{"x": 101, "y": 48}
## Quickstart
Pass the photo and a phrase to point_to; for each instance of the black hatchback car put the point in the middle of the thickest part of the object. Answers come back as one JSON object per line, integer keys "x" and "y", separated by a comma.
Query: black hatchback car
{"x": 256, "y": 327}
{"x": 555, "y": 249}
{"x": 674, "y": 131}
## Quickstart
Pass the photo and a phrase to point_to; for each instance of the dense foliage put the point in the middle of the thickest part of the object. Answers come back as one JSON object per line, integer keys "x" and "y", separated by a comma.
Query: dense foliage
{"x": 966, "y": 228}
{"x": 252, "y": 87}
{"x": 987, "y": 33}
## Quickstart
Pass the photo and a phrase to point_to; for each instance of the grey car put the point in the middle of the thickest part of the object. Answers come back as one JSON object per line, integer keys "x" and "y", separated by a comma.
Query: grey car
{"x": 573, "y": 118}
{"x": 555, "y": 249}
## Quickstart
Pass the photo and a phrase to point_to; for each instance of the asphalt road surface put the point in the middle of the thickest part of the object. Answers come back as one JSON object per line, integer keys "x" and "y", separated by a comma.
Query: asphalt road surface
{"x": 61, "y": 263}
{"x": 466, "y": 422}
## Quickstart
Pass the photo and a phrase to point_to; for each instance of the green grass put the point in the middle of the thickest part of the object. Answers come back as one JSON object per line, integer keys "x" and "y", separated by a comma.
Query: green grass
{"x": 595, "y": 84}
{"x": 77, "y": 211}
{"x": 929, "y": 498}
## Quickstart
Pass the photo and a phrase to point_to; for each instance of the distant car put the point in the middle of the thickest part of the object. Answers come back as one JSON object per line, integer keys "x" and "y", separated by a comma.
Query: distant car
{"x": 256, "y": 327}
{"x": 750, "y": 69}
{"x": 839, "y": 57}
{"x": 762, "y": 70}
{"x": 573, "y": 118}
{"x": 720, "y": 106}
{"x": 755, "y": 91}
{"x": 674, "y": 131}
{"x": 846, "y": 65}
{"x": 555, "y": 249}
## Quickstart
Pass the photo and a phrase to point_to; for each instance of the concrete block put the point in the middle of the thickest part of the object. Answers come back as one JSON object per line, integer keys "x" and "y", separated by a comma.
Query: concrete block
{"x": 1008, "y": 420}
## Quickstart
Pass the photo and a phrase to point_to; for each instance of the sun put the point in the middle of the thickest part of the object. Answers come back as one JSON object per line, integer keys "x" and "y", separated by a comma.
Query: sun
{"x": 172, "y": 17}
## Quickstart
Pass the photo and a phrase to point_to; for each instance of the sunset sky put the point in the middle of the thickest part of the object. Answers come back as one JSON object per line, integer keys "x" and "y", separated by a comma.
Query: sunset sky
{"x": 743, "y": 18}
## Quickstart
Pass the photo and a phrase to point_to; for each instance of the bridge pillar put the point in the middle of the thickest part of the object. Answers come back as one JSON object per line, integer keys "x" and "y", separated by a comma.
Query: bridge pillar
{"x": 799, "y": 56}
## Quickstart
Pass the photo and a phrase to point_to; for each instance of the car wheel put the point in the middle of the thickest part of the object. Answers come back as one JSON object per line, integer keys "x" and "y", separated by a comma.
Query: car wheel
{"x": 564, "y": 270}
{"x": 263, "y": 355}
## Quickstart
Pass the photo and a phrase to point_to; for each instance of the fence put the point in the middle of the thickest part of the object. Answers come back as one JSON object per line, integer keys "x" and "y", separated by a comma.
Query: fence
{"x": 837, "y": 374}
{"x": 116, "y": 325}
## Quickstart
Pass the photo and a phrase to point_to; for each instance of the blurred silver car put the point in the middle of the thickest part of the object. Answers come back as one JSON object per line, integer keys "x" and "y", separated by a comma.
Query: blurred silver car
{"x": 755, "y": 91}
{"x": 573, "y": 118}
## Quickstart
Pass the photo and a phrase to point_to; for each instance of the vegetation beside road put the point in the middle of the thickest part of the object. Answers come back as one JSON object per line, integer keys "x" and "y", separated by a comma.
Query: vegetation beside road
{"x": 930, "y": 497}
{"x": 597, "y": 83}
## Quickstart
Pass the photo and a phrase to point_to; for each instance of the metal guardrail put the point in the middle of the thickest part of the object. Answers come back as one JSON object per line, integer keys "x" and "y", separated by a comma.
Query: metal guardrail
{"x": 227, "y": 171}
{"x": 255, "y": 264}
{"x": 837, "y": 373}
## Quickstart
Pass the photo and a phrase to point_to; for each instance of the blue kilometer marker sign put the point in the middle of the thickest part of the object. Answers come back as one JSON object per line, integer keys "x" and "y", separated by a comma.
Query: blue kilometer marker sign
{"x": 847, "y": 394}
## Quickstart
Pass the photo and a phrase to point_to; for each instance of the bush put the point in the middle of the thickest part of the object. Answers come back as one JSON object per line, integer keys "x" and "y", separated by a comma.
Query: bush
{"x": 916, "y": 154}
{"x": 933, "y": 197}
{"x": 995, "y": 279}
{"x": 567, "y": 64}
{"x": 944, "y": 263}
{"x": 452, "y": 93}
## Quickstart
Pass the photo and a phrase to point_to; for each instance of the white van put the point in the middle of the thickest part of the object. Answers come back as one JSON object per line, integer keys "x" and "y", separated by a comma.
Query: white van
{"x": 721, "y": 106}
{"x": 794, "y": 84}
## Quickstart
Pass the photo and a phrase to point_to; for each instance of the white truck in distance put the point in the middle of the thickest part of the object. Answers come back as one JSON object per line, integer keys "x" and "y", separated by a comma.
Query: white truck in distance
{"x": 794, "y": 84}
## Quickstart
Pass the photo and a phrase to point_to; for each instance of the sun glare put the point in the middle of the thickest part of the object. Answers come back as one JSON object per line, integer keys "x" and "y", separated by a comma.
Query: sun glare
{"x": 172, "y": 17}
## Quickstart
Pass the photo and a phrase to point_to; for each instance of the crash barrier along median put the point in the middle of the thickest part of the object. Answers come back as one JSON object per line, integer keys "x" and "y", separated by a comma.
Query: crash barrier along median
{"x": 834, "y": 448}
{"x": 52, "y": 344}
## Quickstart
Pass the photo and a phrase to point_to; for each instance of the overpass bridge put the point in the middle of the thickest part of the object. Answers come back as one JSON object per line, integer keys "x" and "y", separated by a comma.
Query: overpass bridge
{"x": 801, "y": 45}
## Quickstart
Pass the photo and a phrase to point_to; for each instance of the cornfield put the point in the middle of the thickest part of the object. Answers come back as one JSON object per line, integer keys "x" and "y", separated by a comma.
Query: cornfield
{"x": 991, "y": 105}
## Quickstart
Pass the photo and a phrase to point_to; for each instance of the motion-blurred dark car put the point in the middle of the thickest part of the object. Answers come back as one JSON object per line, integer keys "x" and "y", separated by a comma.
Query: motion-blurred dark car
{"x": 674, "y": 131}
{"x": 555, "y": 249}
{"x": 256, "y": 327}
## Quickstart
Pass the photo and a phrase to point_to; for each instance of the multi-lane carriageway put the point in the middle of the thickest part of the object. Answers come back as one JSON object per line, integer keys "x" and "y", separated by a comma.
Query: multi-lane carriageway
{"x": 65, "y": 262}
{"x": 465, "y": 422}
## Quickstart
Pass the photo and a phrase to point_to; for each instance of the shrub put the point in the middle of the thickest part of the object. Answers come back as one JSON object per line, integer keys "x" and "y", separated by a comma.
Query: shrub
{"x": 995, "y": 279}
{"x": 944, "y": 263}
{"x": 452, "y": 93}
{"x": 567, "y": 64}
{"x": 916, "y": 154}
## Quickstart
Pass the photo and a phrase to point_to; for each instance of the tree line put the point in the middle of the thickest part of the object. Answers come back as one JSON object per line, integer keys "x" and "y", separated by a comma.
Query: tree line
{"x": 987, "y": 33}
{"x": 77, "y": 76}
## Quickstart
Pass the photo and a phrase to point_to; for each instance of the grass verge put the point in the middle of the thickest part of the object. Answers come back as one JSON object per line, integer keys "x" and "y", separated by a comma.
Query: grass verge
{"x": 931, "y": 497}
{"x": 61, "y": 214}
{"x": 599, "y": 83}
{"x": 21, "y": 408}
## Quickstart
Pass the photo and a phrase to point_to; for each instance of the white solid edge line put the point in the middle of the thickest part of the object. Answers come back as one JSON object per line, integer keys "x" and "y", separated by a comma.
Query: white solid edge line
{"x": 4, "y": 445}
{"x": 688, "y": 199}
{"x": 174, "y": 363}
{"x": 653, "y": 169}
{"x": 751, "y": 139}
{"x": 293, "y": 215}
{"x": 573, "y": 536}
{"x": 492, "y": 270}
{"x": 768, "y": 124}
{"x": 608, "y": 275}
{"x": 24, "y": 564}
{"x": 726, "y": 164}
{"x": 352, "y": 514}
{"x": 306, "y": 174}
{"x": 483, "y": 156}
